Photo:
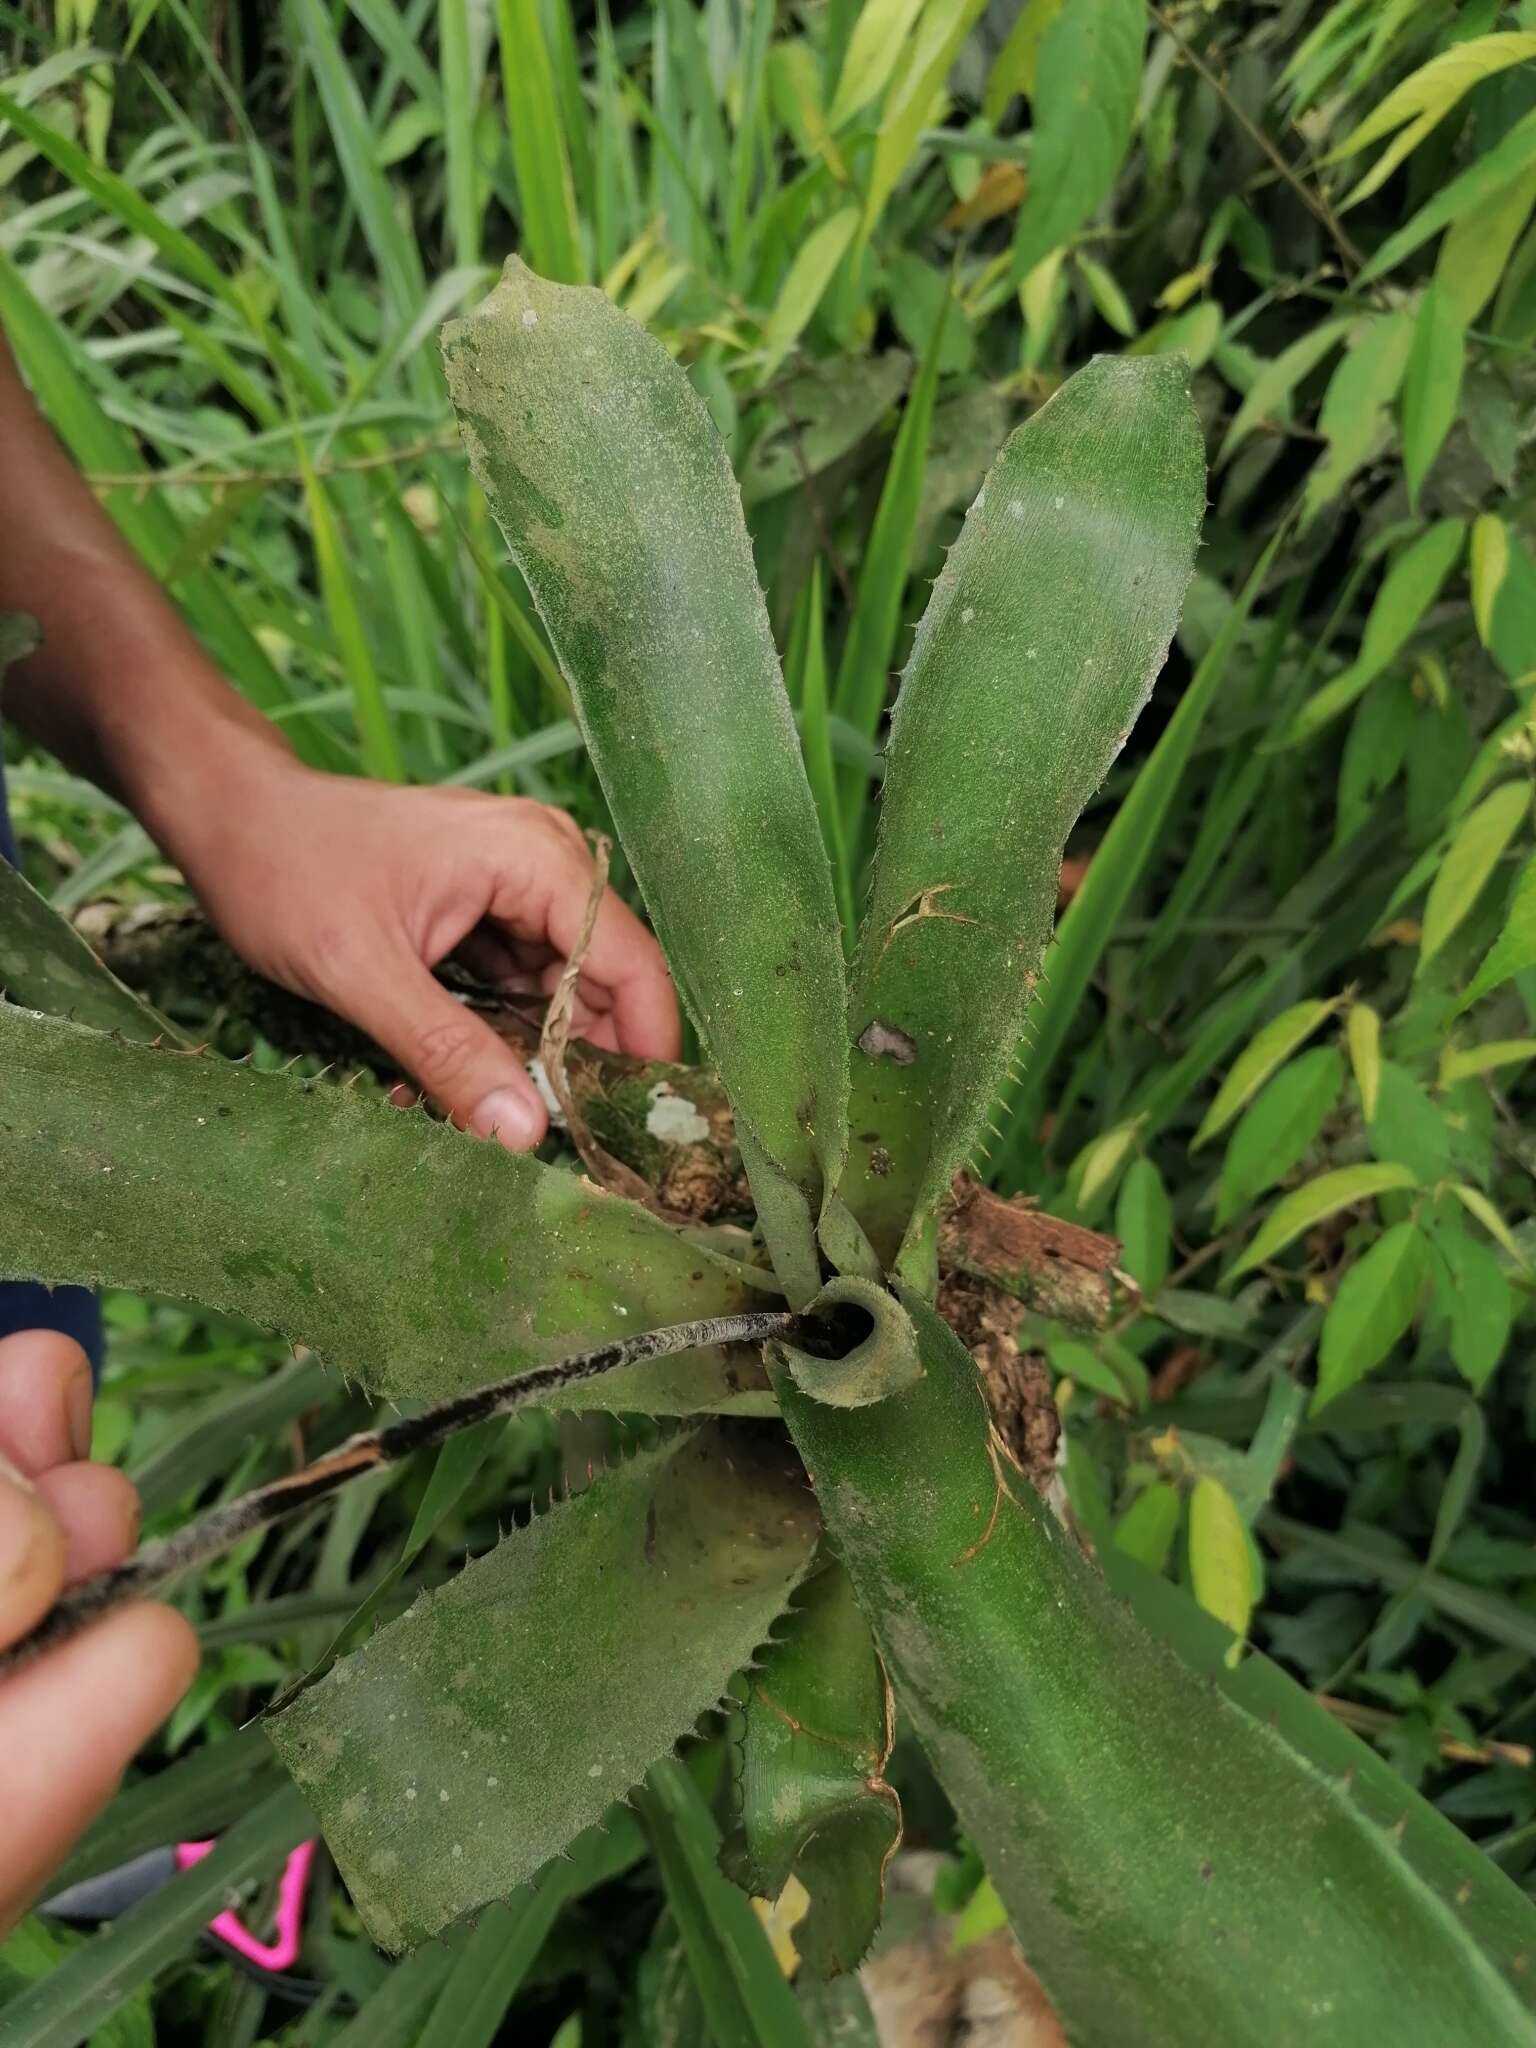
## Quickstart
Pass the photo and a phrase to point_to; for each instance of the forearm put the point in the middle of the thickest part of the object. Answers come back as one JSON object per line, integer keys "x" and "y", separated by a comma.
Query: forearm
{"x": 119, "y": 689}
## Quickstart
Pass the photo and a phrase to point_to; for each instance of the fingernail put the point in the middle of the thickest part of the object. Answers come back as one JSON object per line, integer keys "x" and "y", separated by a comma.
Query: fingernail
{"x": 509, "y": 1118}
{"x": 77, "y": 1408}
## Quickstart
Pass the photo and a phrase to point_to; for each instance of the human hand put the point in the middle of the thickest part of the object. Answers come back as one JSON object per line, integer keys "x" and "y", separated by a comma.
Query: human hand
{"x": 70, "y": 1722}
{"x": 350, "y": 892}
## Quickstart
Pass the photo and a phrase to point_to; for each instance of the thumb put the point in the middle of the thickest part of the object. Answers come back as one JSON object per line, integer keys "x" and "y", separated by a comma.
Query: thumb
{"x": 31, "y": 1555}
{"x": 470, "y": 1073}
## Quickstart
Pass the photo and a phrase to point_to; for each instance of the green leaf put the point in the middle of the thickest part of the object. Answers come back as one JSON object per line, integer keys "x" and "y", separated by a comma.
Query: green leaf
{"x": 1509, "y": 158}
{"x": 1269, "y": 1049}
{"x": 465, "y": 1744}
{"x": 1476, "y": 250}
{"x": 551, "y": 238}
{"x": 1480, "y": 1304}
{"x": 420, "y": 1260}
{"x": 66, "y": 2006}
{"x": 1087, "y": 76}
{"x": 1278, "y": 1128}
{"x": 1147, "y": 1528}
{"x": 1431, "y": 383}
{"x": 492, "y": 1961}
{"x": 1144, "y": 1226}
{"x": 1014, "y": 67}
{"x": 1514, "y": 950}
{"x": 1120, "y": 862}
{"x": 46, "y": 965}
{"x": 1362, "y": 1030}
{"x": 1220, "y": 1566}
{"x": 1046, "y": 630}
{"x": 909, "y": 105}
{"x": 814, "y": 1801}
{"x": 1343, "y": 1188}
{"x": 1465, "y": 1062}
{"x": 1353, "y": 418}
{"x": 1373, "y": 1308}
{"x": 1270, "y": 391}
{"x": 815, "y": 264}
{"x": 1109, "y": 1873}
{"x": 746, "y": 1997}
{"x": 1410, "y": 1129}
{"x": 378, "y": 743}
{"x": 820, "y": 413}
{"x": 881, "y": 37}
{"x": 612, "y": 487}
{"x": 1424, "y": 98}
{"x": 864, "y": 670}
{"x": 1463, "y": 874}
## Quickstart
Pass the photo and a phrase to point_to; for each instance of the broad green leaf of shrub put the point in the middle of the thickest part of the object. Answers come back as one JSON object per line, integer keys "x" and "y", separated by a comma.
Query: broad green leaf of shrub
{"x": 1269, "y": 1049}
{"x": 819, "y": 413}
{"x": 614, "y": 492}
{"x": 473, "y": 1739}
{"x": 1432, "y": 384}
{"x": 814, "y": 1801}
{"x": 1514, "y": 950}
{"x": 1147, "y": 1528}
{"x": 1475, "y": 253}
{"x": 1484, "y": 177}
{"x": 1313, "y": 1203}
{"x": 1037, "y": 651}
{"x": 418, "y": 1260}
{"x": 1144, "y": 1226}
{"x": 1504, "y": 595}
{"x": 1477, "y": 1300}
{"x": 1373, "y": 1308}
{"x": 1353, "y": 416}
{"x": 1469, "y": 862}
{"x": 1083, "y": 106}
{"x": 1278, "y": 1129}
{"x": 1191, "y": 1807}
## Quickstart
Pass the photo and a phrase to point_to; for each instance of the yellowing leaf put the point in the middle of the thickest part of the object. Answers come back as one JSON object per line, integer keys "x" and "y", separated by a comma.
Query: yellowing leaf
{"x": 1265, "y": 1051}
{"x": 811, "y": 272}
{"x": 1220, "y": 1568}
{"x": 1490, "y": 565}
{"x": 880, "y": 36}
{"x": 1374, "y": 1306}
{"x": 1485, "y": 1059}
{"x": 1469, "y": 861}
{"x": 1362, "y": 1029}
{"x": 1477, "y": 246}
{"x": 1344, "y": 1188}
{"x": 909, "y": 106}
{"x": 1477, "y": 1204}
{"x": 1180, "y": 290}
{"x": 1097, "y": 1166}
{"x": 1425, "y": 98}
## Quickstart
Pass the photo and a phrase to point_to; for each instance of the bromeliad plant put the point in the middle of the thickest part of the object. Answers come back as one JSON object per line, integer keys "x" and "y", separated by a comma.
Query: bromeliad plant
{"x": 1186, "y": 1846}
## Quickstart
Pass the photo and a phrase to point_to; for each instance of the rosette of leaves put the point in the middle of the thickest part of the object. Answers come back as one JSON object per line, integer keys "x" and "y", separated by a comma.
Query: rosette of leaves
{"x": 1186, "y": 1850}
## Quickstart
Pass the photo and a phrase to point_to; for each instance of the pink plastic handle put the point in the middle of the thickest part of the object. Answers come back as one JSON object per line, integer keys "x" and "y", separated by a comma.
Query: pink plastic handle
{"x": 282, "y": 1951}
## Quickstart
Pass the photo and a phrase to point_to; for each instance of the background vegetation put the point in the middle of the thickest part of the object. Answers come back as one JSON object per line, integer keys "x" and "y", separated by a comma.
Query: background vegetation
{"x": 1285, "y": 1041}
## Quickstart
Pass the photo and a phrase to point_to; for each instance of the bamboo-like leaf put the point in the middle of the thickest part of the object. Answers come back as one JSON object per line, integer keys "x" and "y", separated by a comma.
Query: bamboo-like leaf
{"x": 745, "y": 1996}
{"x": 1264, "y": 1053}
{"x": 473, "y": 1739}
{"x": 613, "y": 489}
{"x": 422, "y": 1261}
{"x": 1036, "y": 653}
{"x": 814, "y": 1801}
{"x": 1143, "y": 1807}
{"x": 1314, "y": 1202}
{"x": 46, "y": 965}
{"x": 1374, "y": 1306}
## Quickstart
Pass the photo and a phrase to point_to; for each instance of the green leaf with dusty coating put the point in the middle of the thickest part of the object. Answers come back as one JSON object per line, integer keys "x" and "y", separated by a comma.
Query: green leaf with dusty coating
{"x": 471, "y": 1740}
{"x": 814, "y": 1800}
{"x": 46, "y": 965}
{"x": 613, "y": 488}
{"x": 418, "y": 1260}
{"x": 1037, "y": 651}
{"x": 1125, "y": 1809}
{"x": 878, "y": 1364}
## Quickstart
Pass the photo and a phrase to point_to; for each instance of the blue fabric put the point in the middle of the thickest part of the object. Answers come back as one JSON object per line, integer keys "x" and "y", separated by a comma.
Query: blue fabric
{"x": 23, "y": 1305}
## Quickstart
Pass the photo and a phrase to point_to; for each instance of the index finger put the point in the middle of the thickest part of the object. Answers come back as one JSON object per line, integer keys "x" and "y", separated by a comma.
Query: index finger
{"x": 622, "y": 957}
